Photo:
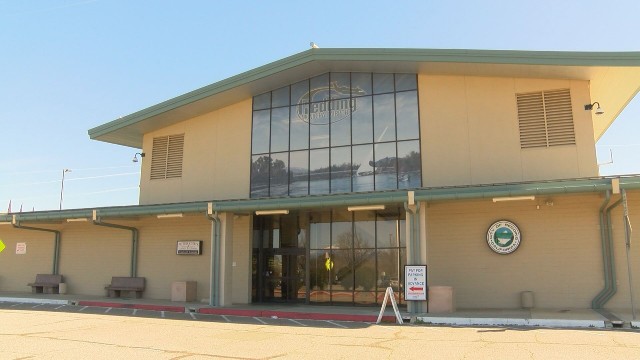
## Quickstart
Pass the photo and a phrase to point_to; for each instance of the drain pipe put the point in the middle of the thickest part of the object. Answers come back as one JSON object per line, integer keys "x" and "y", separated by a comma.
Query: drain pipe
{"x": 595, "y": 303}
{"x": 134, "y": 241}
{"x": 609, "y": 290}
{"x": 627, "y": 238}
{"x": 56, "y": 246}
{"x": 215, "y": 254}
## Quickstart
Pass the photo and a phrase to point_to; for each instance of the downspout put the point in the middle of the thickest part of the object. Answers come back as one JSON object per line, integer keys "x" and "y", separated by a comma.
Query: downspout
{"x": 605, "y": 253}
{"x": 56, "y": 246}
{"x": 611, "y": 288}
{"x": 215, "y": 254}
{"x": 627, "y": 238}
{"x": 414, "y": 239}
{"x": 134, "y": 241}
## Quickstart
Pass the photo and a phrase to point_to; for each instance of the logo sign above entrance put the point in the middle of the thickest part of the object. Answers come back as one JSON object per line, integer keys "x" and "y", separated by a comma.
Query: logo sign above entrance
{"x": 503, "y": 237}
{"x": 415, "y": 282}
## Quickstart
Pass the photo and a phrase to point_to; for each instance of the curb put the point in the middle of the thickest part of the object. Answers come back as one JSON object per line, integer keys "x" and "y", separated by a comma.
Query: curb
{"x": 295, "y": 315}
{"x": 511, "y": 322}
{"x": 34, "y": 301}
{"x": 179, "y": 309}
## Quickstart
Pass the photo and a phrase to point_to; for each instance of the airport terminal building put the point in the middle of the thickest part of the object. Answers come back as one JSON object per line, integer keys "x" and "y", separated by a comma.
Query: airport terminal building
{"x": 316, "y": 178}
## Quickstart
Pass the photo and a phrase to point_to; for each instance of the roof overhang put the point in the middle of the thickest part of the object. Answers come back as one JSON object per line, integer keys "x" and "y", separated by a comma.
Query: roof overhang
{"x": 308, "y": 203}
{"x": 614, "y": 78}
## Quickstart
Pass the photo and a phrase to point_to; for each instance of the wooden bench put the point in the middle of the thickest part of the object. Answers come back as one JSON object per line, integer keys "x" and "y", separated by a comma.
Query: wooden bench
{"x": 46, "y": 284}
{"x": 132, "y": 285}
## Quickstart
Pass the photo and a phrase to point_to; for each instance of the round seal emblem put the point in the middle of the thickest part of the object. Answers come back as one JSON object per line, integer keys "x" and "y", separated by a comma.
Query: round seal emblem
{"x": 503, "y": 237}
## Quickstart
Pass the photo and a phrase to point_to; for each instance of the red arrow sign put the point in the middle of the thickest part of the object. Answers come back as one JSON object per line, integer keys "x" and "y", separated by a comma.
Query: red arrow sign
{"x": 413, "y": 288}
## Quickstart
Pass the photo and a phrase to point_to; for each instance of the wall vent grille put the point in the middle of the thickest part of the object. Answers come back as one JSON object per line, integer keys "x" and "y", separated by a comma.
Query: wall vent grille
{"x": 167, "y": 156}
{"x": 545, "y": 119}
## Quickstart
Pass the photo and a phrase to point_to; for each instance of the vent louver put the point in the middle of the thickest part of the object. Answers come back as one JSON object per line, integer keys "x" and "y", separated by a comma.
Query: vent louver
{"x": 166, "y": 157}
{"x": 545, "y": 119}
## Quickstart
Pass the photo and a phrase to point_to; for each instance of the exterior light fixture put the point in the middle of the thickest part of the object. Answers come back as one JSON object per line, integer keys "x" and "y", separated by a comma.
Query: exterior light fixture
{"x": 599, "y": 110}
{"x": 365, "y": 207}
{"x": 77, "y": 220}
{"x": 135, "y": 157}
{"x": 513, "y": 198}
{"x": 167, "y": 216}
{"x": 272, "y": 212}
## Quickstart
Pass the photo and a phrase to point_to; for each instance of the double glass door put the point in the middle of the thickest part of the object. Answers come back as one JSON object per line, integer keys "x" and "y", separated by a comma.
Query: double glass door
{"x": 279, "y": 260}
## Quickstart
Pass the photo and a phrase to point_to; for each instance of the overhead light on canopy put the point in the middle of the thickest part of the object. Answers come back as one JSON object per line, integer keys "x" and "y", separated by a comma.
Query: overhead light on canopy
{"x": 365, "y": 207}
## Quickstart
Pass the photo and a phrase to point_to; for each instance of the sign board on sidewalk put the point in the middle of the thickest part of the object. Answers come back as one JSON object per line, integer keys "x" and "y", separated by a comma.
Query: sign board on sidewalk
{"x": 415, "y": 282}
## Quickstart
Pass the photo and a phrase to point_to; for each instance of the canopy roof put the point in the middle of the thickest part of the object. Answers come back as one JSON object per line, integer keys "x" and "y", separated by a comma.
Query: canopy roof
{"x": 614, "y": 78}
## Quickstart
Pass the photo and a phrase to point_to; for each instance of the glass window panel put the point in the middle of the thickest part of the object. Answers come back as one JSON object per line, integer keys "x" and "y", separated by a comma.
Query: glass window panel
{"x": 340, "y": 85}
{"x": 386, "y": 166}
{"x": 365, "y": 297}
{"x": 363, "y": 168}
{"x": 389, "y": 269}
{"x": 365, "y": 270}
{"x": 319, "y": 171}
{"x": 299, "y": 127}
{"x": 406, "y": 82}
{"x": 279, "y": 174}
{"x": 365, "y": 230}
{"x": 300, "y": 92}
{"x": 262, "y": 101}
{"x": 319, "y": 276}
{"x": 319, "y": 90}
{"x": 280, "y": 97}
{"x": 341, "y": 230}
{"x": 341, "y": 169}
{"x": 319, "y": 132}
{"x": 260, "y": 175}
{"x": 342, "y": 276}
{"x": 341, "y": 121}
{"x": 320, "y": 230}
{"x": 299, "y": 173}
{"x": 407, "y": 115}
{"x": 382, "y": 83}
{"x": 384, "y": 118}
{"x": 360, "y": 84}
{"x": 362, "y": 121}
{"x": 280, "y": 129}
{"x": 409, "y": 166}
{"x": 388, "y": 231}
{"x": 319, "y": 113}
{"x": 260, "y": 134}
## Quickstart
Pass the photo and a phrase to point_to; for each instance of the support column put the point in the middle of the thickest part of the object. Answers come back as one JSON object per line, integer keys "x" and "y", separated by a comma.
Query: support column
{"x": 225, "y": 265}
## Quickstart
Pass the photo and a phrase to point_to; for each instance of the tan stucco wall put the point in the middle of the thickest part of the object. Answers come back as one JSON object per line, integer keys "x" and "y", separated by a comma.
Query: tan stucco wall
{"x": 559, "y": 259}
{"x": 16, "y": 271}
{"x": 242, "y": 248}
{"x": 462, "y": 117}
{"x": 216, "y": 162}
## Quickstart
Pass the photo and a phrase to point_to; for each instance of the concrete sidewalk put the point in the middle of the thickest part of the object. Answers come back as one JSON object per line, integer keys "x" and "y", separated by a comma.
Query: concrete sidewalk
{"x": 579, "y": 318}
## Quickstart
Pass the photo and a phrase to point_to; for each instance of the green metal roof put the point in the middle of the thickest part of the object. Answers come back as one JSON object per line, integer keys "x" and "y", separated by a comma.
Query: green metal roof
{"x": 397, "y": 197}
{"x": 615, "y": 80}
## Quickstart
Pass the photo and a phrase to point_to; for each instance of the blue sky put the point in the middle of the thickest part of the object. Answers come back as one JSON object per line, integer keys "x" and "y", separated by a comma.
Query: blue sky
{"x": 69, "y": 65}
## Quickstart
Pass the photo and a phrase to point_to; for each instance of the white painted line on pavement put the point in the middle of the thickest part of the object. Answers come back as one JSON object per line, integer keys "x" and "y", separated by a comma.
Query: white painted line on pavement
{"x": 162, "y": 313}
{"x": 108, "y": 309}
{"x": 61, "y": 306}
{"x": 193, "y": 316}
{"x": 83, "y": 308}
{"x": 16, "y": 304}
{"x": 298, "y": 322}
{"x": 134, "y": 311}
{"x": 260, "y": 320}
{"x": 225, "y": 318}
{"x": 336, "y": 324}
{"x": 33, "y": 307}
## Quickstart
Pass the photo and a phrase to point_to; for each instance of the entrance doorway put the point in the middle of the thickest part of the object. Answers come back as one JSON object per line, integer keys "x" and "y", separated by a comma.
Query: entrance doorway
{"x": 279, "y": 260}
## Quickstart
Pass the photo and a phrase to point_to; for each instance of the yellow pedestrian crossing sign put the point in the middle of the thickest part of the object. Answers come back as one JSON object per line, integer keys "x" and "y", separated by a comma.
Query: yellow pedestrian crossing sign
{"x": 1, "y": 245}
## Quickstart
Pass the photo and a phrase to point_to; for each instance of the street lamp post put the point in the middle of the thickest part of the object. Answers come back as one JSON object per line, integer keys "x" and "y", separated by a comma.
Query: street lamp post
{"x": 64, "y": 171}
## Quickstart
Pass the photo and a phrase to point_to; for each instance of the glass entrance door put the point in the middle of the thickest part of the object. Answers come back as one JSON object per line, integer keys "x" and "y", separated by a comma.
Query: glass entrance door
{"x": 279, "y": 260}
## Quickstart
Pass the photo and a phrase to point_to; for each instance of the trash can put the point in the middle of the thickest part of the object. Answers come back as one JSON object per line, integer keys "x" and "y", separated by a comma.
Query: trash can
{"x": 526, "y": 299}
{"x": 62, "y": 288}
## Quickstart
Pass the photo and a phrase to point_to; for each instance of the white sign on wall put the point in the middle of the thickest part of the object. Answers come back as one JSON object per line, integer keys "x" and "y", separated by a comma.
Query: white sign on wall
{"x": 21, "y": 248}
{"x": 189, "y": 247}
{"x": 415, "y": 282}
